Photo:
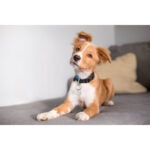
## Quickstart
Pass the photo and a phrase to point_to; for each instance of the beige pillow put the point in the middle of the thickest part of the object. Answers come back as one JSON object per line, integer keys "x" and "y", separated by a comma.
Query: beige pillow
{"x": 122, "y": 71}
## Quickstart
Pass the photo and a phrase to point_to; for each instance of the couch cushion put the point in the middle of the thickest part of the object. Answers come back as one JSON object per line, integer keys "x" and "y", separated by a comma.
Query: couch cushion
{"x": 142, "y": 51}
{"x": 122, "y": 71}
{"x": 128, "y": 110}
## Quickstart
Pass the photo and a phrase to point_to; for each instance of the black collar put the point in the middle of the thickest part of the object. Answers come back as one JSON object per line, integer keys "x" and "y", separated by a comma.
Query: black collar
{"x": 77, "y": 78}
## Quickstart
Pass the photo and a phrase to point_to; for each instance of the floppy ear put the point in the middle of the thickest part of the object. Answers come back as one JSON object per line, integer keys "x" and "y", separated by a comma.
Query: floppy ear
{"x": 103, "y": 54}
{"x": 82, "y": 37}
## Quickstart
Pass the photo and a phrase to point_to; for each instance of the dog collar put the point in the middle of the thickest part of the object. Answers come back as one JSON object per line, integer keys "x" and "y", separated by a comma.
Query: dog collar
{"x": 77, "y": 78}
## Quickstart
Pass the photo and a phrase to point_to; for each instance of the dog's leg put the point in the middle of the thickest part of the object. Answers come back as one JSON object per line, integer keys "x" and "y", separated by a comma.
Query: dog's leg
{"x": 110, "y": 92}
{"x": 89, "y": 112}
{"x": 64, "y": 108}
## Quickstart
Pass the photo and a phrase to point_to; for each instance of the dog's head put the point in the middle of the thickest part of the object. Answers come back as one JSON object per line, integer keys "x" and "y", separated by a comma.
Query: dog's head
{"x": 86, "y": 55}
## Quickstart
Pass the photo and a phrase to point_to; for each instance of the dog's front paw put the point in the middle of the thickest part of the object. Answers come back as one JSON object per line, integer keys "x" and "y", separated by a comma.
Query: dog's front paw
{"x": 47, "y": 115}
{"x": 82, "y": 116}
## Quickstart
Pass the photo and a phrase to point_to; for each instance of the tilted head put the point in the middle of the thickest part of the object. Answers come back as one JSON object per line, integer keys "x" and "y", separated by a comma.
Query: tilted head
{"x": 86, "y": 55}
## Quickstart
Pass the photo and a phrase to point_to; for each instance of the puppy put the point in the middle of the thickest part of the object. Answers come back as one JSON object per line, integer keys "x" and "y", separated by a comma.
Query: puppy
{"x": 86, "y": 90}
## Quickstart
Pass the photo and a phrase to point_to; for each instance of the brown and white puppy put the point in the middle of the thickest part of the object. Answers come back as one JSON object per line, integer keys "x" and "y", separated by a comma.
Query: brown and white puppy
{"x": 90, "y": 95}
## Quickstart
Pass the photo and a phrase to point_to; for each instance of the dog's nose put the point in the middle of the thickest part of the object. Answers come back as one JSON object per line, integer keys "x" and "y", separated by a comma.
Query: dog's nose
{"x": 76, "y": 57}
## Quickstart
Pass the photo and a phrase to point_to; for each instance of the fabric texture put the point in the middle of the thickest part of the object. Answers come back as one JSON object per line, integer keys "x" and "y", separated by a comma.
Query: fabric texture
{"x": 129, "y": 109}
{"x": 142, "y": 52}
{"x": 122, "y": 71}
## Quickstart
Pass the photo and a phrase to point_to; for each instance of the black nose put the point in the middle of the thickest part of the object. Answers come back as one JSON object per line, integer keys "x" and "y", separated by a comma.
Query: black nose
{"x": 76, "y": 57}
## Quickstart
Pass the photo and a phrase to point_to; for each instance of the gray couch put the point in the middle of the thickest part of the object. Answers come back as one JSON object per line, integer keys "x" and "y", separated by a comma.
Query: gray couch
{"x": 142, "y": 51}
{"x": 128, "y": 109}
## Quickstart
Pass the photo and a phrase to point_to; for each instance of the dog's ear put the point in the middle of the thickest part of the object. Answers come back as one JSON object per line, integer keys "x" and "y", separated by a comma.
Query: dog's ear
{"x": 82, "y": 37}
{"x": 103, "y": 54}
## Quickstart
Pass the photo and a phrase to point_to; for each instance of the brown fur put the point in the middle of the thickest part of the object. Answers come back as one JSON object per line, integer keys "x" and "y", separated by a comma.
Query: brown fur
{"x": 104, "y": 55}
{"x": 83, "y": 35}
{"x": 104, "y": 88}
{"x": 63, "y": 108}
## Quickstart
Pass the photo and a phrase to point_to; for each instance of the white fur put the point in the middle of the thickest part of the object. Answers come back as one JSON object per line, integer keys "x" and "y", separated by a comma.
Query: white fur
{"x": 87, "y": 93}
{"x": 74, "y": 98}
{"x": 69, "y": 110}
{"x": 62, "y": 113}
{"x": 86, "y": 96}
{"x": 82, "y": 116}
{"x": 109, "y": 103}
{"x": 47, "y": 115}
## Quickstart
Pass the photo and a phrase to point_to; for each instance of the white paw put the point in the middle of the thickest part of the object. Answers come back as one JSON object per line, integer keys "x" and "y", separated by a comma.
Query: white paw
{"x": 82, "y": 116}
{"x": 109, "y": 103}
{"x": 47, "y": 115}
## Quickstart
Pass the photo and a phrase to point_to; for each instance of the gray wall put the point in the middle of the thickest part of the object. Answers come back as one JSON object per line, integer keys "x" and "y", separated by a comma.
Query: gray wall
{"x": 131, "y": 34}
{"x": 34, "y": 60}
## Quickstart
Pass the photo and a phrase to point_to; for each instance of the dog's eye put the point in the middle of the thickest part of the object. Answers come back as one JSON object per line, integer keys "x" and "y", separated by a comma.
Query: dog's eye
{"x": 89, "y": 55}
{"x": 77, "y": 49}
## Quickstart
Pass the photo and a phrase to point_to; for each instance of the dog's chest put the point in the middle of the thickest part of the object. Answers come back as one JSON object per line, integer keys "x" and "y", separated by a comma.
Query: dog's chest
{"x": 85, "y": 92}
